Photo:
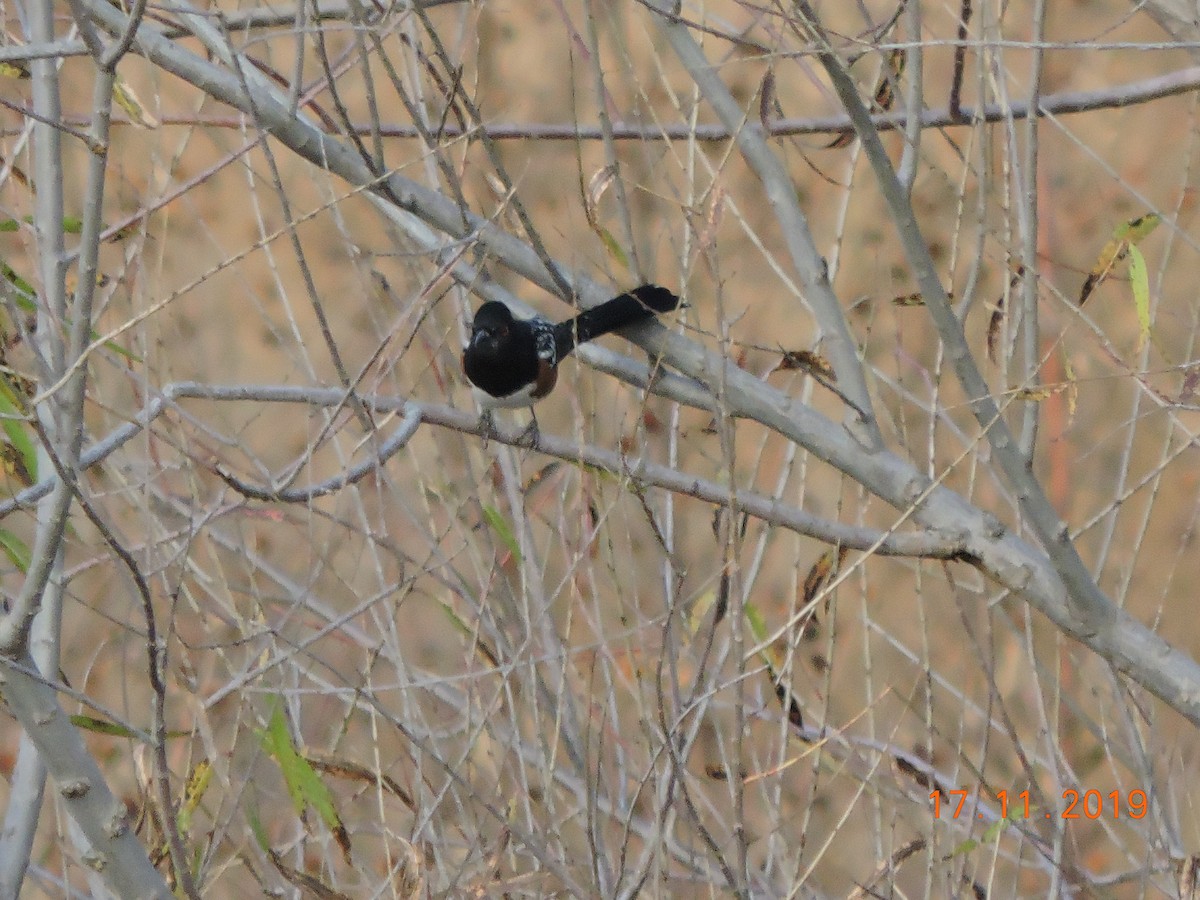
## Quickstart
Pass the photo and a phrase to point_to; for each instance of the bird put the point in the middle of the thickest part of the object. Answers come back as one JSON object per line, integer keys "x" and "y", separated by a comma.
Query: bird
{"x": 513, "y": 362}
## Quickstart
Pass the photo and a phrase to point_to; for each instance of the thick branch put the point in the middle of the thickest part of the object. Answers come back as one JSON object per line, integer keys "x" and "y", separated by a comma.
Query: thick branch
{"x": 1118, "y": 96}
{"x": 639, "y": 470}
{"x": 1011, "y": 561}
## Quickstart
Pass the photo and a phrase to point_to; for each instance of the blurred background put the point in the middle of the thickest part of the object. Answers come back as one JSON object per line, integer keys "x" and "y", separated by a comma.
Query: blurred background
{"x": 511, "y": 672}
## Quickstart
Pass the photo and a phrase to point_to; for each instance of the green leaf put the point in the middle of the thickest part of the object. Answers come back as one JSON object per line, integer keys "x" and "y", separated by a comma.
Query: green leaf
{"x": 1139, "y": 279}
{"x": 965, "y": 847}
{"x": 614, "y": 249}
{"x": 496, "y": 521}
{"x": 994, "y": 831}
{"x": 1136, "y": 230}
{"x": 26, "y": 296}
{"x": 758, "y": 625}
{"x": 15, "y": 549}
{"x": 256, "y": 829}
{"x": 119, "y": 350}
{"x": 70, "y": 224}
{"x": 193, "y": 793}
{"x": 115, "y": 729}
{"x": 103, "y": 726}
{"x": 990, "y": 836}
{"x": 1125, "y": 236}
{"x": 278, "y": 744}
{"x": 455, "y": 619}
{"x": 128, "y": 100}
{"x": 17, "y": 430}
{"x": 303, "y": 783}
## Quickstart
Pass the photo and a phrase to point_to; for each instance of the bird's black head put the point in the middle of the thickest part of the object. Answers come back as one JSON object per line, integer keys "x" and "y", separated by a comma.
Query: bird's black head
{"x": 491, "y": 321}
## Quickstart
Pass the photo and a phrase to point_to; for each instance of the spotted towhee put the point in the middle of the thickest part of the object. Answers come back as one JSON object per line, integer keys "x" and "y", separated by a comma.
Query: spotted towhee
{"x": 514, "y": 362}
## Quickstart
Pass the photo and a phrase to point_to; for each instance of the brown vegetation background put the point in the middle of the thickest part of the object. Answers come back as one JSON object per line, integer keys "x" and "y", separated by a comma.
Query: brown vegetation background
{"x": 446, "y": 621}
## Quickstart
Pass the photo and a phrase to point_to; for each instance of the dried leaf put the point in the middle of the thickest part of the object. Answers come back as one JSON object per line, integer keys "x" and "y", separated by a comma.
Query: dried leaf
{"x": 1188, "y": 877}
{"x": 345, "y": 768}
{"x": 885, "y": 91}
{"x": 540, "y": 476}
{"x": 1072, "y": 389}
{"x": 766, "y": 98}
{"x": 842, "y": 140}
{"x": 904, "y": 767}
{"x": 17, "y": 173}
{"x": 808, "y": 361}
{"x": 993, "y": 330}
{"x": 408, "y": 882}
{"x": 1190, "y": 381}
{"x": 820, "y": 574}
{"x": 915, "y": 299}
{"x": 712, "y": 220}
{"x": 310, "y": 885}
{"x": 600, "y": 182}
{"x": 784, "y": 692}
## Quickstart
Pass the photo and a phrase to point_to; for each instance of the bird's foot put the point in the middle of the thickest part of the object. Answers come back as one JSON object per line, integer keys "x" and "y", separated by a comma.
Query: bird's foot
{"x": 487, "y": 426}
{"x": 529, "y": 437}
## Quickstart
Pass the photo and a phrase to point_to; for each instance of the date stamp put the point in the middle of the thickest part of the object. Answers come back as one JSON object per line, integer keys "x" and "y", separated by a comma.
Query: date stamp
{"x": 1076, "y": 805}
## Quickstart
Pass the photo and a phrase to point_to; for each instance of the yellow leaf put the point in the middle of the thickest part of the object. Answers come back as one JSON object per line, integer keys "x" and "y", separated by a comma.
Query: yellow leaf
{"x": 1072, "y": 388}
{"x": 694, "y": 617}
{"x": 126, "y": 99}
{"x": 193, "y": 793}
{"x": 1124, "y": 236}
{"x": 1137, "y": 230}
{"x": 1139, "y": 280}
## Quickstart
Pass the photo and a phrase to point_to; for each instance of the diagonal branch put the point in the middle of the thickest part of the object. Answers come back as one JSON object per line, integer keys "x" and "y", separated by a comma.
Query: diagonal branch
{"x": 925, "y": 544}
{"x": 1097, "y": 614}
{"x": 1005, "y": 557}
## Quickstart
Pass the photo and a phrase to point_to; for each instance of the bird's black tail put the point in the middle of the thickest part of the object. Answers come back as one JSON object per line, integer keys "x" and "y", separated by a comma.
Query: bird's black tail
{"x": 638, "y": 305}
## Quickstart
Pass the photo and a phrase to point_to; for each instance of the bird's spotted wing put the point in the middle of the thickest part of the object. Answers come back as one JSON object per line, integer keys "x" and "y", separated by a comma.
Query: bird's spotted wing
{"x": 543, "y": 337}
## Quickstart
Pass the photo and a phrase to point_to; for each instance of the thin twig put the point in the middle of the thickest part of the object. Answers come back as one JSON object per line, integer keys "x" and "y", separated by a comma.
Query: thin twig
{"x": 1132, "y": 93}
{"x": 960, "y": 63}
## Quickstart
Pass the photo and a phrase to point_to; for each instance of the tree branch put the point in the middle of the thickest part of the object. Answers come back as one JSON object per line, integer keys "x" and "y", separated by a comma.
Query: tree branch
{"x": 1011, "y": 561}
